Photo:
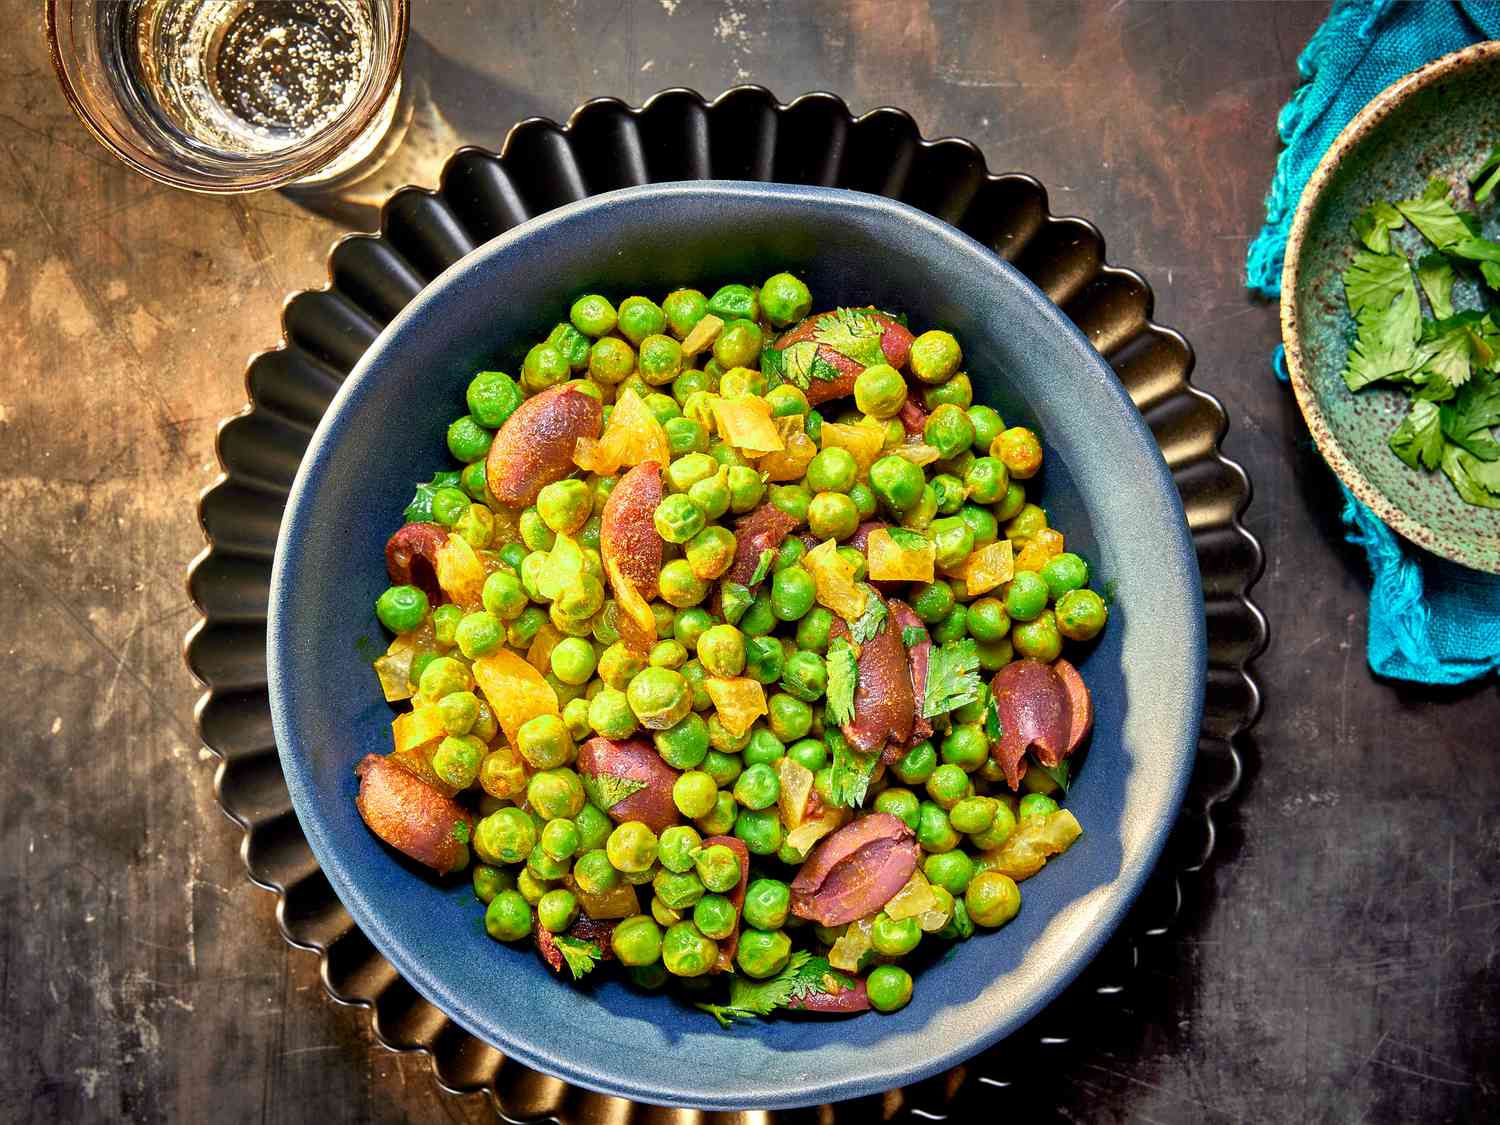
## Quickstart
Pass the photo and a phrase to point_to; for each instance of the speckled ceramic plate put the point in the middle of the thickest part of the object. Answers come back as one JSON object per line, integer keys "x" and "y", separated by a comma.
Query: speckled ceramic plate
{"x": 677, "y": 135}
{"x": 1442, "y": 120}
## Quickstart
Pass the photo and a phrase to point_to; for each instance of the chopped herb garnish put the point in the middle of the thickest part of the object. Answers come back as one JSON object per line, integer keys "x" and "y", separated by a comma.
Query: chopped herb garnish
{"x": 606, "y": 790}
{"x": 750, "y": 998}
{"x": 864, "y": 629}
{"x": 580, "y": 955}
{"x": 913, "y": 635}
{"x": 992, "y": 728}
{"x": 420, "y": 508}
{"x": 843, "y": 678}
{"x": 1058, "y": 773}
{"x": 952, "y": 677}
{"x": 850, "y": 772}
{"x": 763, "y": 567}
{"x": 1489, "y": 172}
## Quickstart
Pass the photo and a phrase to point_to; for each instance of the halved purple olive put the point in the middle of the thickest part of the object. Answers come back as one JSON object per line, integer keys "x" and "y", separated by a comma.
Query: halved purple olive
{"x": 629, "y": 781}
{"x": 411, "y": 558}
{"x": 763, "y": 529}
{"x": 535, "y": 446}
{"x": 1045, "y": 707}
{"x": 884, "y": 706}
{"x": 895, "y": 348}
{"x": 843, "y": 1002}
{"x": 585, "y": 929}
{"x": 627, "y": 531}
{"x": 854, "y": 872}
{"x": 917, "y": 656}
{"x": 411, "y": 816}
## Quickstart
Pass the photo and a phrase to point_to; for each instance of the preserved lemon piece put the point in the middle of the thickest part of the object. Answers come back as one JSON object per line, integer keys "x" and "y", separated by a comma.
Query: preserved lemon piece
{"x": 900, "y": 556}
{"x": 515, "y": 690}
{"x": 833, "y": 577}
{"x": 632, "y": 436}
{"x": 1035, "y": 840}
{"x": 989, "y": 566}
{"x": 739, "y": 701}
{"x": 746, "y": 424}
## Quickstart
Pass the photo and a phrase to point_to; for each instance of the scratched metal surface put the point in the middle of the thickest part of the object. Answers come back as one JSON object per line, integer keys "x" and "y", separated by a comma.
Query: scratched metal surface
{"x": 1339, "y": 963}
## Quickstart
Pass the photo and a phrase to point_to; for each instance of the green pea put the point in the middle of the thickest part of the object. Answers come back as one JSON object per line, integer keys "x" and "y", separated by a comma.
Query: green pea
{"x": 832, "y": 470}
{"x": 987, "y": 480}
{"x": 999, "y": 829}
{"x": 949, "y": 431}
{"x": 759, "y": 619}
{"x": 503, "y": 596}
{"x": 443, "y": 676}
{"x": 767, "y": 903}
{"x": 790, "y": 717}
{"x": 832, "y": 515}
{"x": 1026, "y": 597}
{"x": 903, "y": 804}
{"x": 953, "y": 540}
{"x": 893, "y": 938}
{"x": 456, "y": 760}
{"x": 720, "y": 818}
{"x": 740, "y": 381}
{"x": 1039, "y": 639}
{"x": 459, "y": 712}
{"x": 1020, "y": 450}
{"x": 573, "y": 660}
{"x": 764, "y": 659}
{"x": 685, "y": 745}
{"x": 449, "y": 505}
{"x": 575, "y": 716}
{"x": 667, "y": 654}
{"x": 686, "y": 952}
{"x": 489, "y": 881}
{"x": 684, "y": 435}
{"x": 678, "y": 890}
{"x": 676, "y": 846}
{"x": 897, "y": 482}
{"x": 916, "y": 765}
{"x": 512, "y": 554}
{"x": 949, "y": 870}
{"x": 688, "y": 470}
{"x": 757, "y": 788}
{"x": 530, "y": 887}
{"x": 696, "y": 676}
{"x": 1010, "y": 505}
{"x": 805, "y": 676}
{"x": 957, "y": 391}
{"x": 694, "y": 793}
{"x": 721, "y": 650}
{"x": 784, "y": 299}
{"x": 492, "y": 397}
{"x": 611, "y": 360}
{"x": 792, "y": 594}
{"x": 760, "y": 830}
{"x": 738, "y": 345}
{"x": 810, "y": 753}
{"x": 659, "y": 697}
{"x": 711, "y": 495}
{"x": 534, "y": 531}
{"x": 610, "y": 714}
{"x": 545, "y": 743}
{"x": 934, "y": 356}
{"x": 814, "y": 628}
{"x": 544, "y": 366}
{"x": 973, "y": 814}
{"x": 966, "y": 746}
{"x": 786, "y": 400}
{"x": 718, "y": 867}
{"x": 880, "y": 391}
{"x": 988, "y": 621}
{"x": 565, "y": 505}
{"x": 659, "y": 360}
{"x": 507, "y": 835}
{"x": 889, "y": 988}
{"x": 445, "y": 619}
{"x": 932, "y": 601}
{"x": 557, "y": 910}
{"x": 711, "y": 552}
{"x": 793, "y": 499}
{"x": 485, "y": 727}
{"x": 949, "y": 491}
{"x": 954, "y": 627}
{"x": 679, "y": 586}
{"x": 987, "y": 426}
{"x": 468, "y": 441}
{"x": 745, "y": 488}
{"x": 1081, "y": 614}
{"x": 981, "y": 523}
{"x": 508, "y": 917}
{"x": 934, "y": 832}
{"x": 592, "y": 315}
{"x": 631, "y": 847}
{"x": 790, "y": 554}
{"x": 1064, "y": 572}
{"x": 683, "y": 308}
{"x": 735, "y": 301}
{"x": 678, "y": 519}
{"x": 640, "y": 317}
{"x": 714, "y": 915}
{"x": 401, "y": 609}
{"x": 992, "y": 899}
{"x": 723, "y": 766}
{"x": 764, "y": 748}
{"x": 948, "y": 785}
{"x": 555, "y": 792}
{"x": 1036, "y": 804}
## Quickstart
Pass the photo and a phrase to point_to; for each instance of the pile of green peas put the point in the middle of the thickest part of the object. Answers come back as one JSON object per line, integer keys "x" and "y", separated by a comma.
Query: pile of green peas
{"x": 543, "y": 852}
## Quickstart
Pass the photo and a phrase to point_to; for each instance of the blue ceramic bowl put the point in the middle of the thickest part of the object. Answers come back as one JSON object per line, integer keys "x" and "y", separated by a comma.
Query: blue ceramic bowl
{"x": 1105, "y": 484}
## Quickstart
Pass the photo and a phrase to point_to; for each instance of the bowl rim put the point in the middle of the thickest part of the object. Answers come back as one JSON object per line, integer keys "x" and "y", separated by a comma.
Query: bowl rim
{"x": 1375, "y": 111}
{"x": 1126, "y": 884}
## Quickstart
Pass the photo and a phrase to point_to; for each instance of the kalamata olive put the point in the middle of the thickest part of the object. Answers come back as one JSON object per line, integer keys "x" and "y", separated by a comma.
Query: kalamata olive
{"x": 631, "y": 780}
{"x": 884, "y": 705}
{"x": 763, "y": 529}
{"x": 841, "y": 1002}
{"x": 627, "y": 532}
{"x": 411, "y": 816}
{"x": 411, "y": 558}
{"x": 535, "y": 446}
{"x": 1045, "y": 707}
{"x": 857, "y": 870}
{"x": 585, "y": 929}
{"x": 895, "y": 347}
{"x": 917, "y": 655}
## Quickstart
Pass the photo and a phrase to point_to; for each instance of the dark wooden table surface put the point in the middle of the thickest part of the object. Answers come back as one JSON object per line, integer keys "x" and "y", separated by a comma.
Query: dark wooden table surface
{"x": 1338, "y": 962}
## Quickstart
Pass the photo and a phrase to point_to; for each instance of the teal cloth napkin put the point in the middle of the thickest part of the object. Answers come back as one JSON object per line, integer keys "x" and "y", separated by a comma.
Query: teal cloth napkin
{"x": 1431, "y": 621}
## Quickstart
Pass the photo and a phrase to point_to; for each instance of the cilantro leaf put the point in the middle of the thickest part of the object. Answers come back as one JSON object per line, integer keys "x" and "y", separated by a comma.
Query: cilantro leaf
{"x": 735, "y": 600}
{"x": 580, "y": 955}
{"x": 773, "y": 366}
{"x": 843, "y": 678}
{"x": 1373, "y": 281}
{"x": 1435, "y": 217}
{"x": 1489, "y": 171}
{"x": 461, "y": 831}
{"x": 1477, "y": 482}
{"x": 763, "y": 567}
{"x": 606, "y": 790}
{"x": 850, "y": 771}
{"x": 852, "y": 333}
{"x": 750, "y": 998}
{"x": 871, "y": 620}
{"x": 913, "y": 635}
{"x": 1444, "y": 352}
{"x": 420, "y": 508}
{"x": 1058, "y": 773}
{"x": 1374, "y": 224}
{"x": 1385, "y": 346}
{"x": 952, "y": 677}
{"x": 1419, "y": 438}
{"x": 1467, "y": 422}
{"x": 992, "y": 728}
{"x": 794, "y": 362}
{"x": 1491, "y": 273}
{"x": 1436, "y": 276}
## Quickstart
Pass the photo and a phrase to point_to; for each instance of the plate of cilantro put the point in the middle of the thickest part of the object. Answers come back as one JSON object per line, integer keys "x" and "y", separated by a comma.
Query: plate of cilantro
{"x": 1390, "y": 306}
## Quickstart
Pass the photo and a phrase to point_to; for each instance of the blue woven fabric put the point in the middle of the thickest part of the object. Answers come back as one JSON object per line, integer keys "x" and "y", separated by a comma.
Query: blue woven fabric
{"x": 1430, "y": 621}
